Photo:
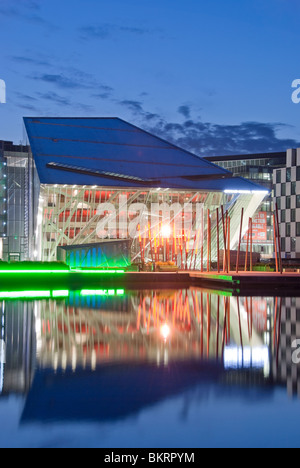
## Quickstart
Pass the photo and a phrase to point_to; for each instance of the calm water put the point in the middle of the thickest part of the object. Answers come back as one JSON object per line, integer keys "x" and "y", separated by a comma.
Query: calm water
{"x": 158, "y": 369}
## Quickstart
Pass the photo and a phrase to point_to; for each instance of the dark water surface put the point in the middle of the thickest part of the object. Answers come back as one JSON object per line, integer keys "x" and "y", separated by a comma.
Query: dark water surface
{"x": 151, "y": 369}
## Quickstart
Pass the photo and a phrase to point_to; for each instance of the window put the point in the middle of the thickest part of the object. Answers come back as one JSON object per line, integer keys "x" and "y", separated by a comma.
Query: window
{"x": 293, "y": 244}
{"x": 298, "y": 229}
{"x": 294, "y": 162}
{"x": 282, "y": 216}
{"x": 293, "y": 216}
{"x": 288, "y": 203}
{"x": 288, "y": 174}
{"x": 297, "y": 201}
{"x": 283, "y": 190}
{"x": 298, "y": 173}
{"x": 283, "y": 244}
{"x": 288, "y": 230}
{"x": 278, "y": 202}
{"x": 293, "y": 188}
{"x": 278, "y": 176}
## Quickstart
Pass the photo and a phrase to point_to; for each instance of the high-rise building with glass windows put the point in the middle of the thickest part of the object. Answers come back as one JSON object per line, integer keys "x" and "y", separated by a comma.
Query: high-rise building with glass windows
{"x": 16, "y": 202}
{"x": 287, "y": 197}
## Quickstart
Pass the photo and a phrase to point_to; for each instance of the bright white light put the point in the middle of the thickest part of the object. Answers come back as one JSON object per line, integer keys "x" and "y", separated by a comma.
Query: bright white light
{"x": 165, "y": 331}
{"x": 247, "y": 192}
{"x": 166, "y": 231}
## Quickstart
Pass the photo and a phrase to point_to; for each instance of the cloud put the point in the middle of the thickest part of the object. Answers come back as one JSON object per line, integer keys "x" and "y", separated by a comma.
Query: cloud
{"x": 28, "y": 60}
{"x": 55, "y": 98}
{"x": 212, "y": 139}
{"x": 61, "y": 81}
{"x": 185, "y": 111}
{"x": 25, "y": 97}
{"x": 136, "y": 107}
{"x": 108, "y": 30}
{"x": 209, "y": 139}
{"x": 25, "y": 10}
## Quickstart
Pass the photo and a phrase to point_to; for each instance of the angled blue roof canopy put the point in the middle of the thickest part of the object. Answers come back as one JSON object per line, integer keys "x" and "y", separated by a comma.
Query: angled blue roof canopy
{"x": 111, "y": 152}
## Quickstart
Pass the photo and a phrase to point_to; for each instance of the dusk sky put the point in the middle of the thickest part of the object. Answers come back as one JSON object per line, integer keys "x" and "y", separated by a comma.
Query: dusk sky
{"x": 212, "y": 76}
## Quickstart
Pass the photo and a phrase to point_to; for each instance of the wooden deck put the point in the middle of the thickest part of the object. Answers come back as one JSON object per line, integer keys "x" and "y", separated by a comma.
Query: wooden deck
{"x": 262, "y": 283}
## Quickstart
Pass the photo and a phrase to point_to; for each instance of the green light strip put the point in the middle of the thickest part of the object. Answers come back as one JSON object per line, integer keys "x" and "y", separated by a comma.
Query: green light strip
{"x": 85, "y": 272}
{"x": 102, "y": 292}
{"x": 24, "y": 294}
{"x": 15, "y": 272}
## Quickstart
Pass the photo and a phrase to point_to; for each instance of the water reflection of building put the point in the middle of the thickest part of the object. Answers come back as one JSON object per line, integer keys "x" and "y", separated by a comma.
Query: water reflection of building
{"x": 122, "y": 352}
{"x": 286, "y": 331}
{"x": 95, "y": 327}
{"x": 17, "y": 358}
{"x": 158, "y": 326}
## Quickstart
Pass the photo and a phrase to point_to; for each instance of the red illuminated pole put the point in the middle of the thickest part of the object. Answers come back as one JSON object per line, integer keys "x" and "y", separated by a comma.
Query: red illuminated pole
{"x": 251, "y": 244}
{"x": 197, "y": 248}
{"x": 187, "y": 248}
{"x": 208, "y": 241}
{"x": 140, "y": 240}
{"x": 193, "y": 251}
{"x": 240, "y": 325}
{"x": 174, "y": 244}
{"x": 247, "y": 248}
{"x": 150, "y": 239}
{"x": 218, "y": 240}
{"x": 224, "y": 239}
{"x": 228, "y": 248}
{"x": 217, "y": 328}
{"x": 240, "y": 241}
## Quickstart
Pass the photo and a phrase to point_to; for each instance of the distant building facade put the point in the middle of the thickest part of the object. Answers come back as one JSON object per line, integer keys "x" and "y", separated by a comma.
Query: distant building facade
{"x": 287, "y": 196}
{"x": 16, "y": 202}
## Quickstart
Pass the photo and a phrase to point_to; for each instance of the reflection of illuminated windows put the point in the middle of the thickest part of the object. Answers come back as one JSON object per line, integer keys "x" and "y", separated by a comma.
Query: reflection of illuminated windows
{"x": 238, "y": 358}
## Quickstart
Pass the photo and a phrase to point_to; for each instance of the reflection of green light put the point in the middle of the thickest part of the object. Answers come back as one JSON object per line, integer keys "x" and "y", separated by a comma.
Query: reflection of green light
{"x": 33, "y": 294}
{"x": 104, "y": 272}
{"x": 24, "y": 294}
{"x": 102, "y": 292}
{"x": 64, "y": 293}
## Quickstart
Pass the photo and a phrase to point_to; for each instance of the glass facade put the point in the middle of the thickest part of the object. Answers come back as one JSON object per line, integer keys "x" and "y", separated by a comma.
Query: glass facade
{"x": 17, "y": 202}
{"x": 162, "y": 225}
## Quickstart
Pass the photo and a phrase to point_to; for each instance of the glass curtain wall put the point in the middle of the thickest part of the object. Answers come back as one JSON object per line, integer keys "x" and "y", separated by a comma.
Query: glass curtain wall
{"x": 164, "y": 225}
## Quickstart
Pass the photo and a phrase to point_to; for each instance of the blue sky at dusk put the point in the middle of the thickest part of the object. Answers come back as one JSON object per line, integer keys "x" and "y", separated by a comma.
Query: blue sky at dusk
{"x": 212, "y": 76}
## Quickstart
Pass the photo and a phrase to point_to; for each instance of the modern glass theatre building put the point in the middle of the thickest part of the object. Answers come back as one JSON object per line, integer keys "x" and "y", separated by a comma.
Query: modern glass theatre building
{"x": 111, "y": 193}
